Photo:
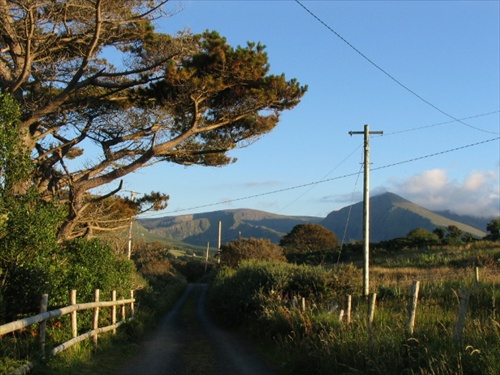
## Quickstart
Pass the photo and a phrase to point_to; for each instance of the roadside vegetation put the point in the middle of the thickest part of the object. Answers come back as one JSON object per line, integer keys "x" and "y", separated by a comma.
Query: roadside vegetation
{"x": 294, "y": 312}
{"x": 293, "y": 309}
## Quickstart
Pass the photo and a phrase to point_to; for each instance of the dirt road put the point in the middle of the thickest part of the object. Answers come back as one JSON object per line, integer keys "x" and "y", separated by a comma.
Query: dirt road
{"x": 187, "y": 341}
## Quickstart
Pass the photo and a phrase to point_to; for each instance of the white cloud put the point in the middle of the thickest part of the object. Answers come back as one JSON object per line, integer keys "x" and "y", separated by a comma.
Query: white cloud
{"x": 478, "y": 195}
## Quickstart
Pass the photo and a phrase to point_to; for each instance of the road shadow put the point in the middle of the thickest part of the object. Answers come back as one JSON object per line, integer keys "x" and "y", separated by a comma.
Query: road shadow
{"x": 187, "y": 342}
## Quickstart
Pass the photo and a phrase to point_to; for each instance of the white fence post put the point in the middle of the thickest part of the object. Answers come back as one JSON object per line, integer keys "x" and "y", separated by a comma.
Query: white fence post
{"x": 132, "y": 306}
{"x": 413, "y": 306}
{"x": 349, "y": 307}
{"x": 113, "y": 309}
{"x": 74, "y": 324}
{"x": 96, "y": 315}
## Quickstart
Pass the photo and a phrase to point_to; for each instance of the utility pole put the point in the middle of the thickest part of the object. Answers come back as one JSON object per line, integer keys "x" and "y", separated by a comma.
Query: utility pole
{"x": 129, "y": 250}
{"x": 219, "y": 241}
{"x": 366, "y": 209}
{"x": 206, "y": 257}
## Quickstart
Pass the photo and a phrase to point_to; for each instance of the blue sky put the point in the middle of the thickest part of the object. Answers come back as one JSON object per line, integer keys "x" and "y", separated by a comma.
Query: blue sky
{"x": 444, "y": 53}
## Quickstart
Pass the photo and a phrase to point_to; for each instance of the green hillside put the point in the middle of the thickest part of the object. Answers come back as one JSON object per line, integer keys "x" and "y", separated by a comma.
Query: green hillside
{"x": 391, "y": 216}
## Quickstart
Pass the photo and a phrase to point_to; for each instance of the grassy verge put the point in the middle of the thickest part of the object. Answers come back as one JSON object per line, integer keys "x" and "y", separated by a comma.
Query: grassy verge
{"x": 85, "y": 357}
{"x": 264, "y": 298}
{"x": 197, "y": 354}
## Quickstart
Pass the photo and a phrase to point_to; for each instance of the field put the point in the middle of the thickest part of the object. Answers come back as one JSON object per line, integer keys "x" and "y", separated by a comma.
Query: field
{"x": 302, "y": 311}
{"x": 300, "y": 317}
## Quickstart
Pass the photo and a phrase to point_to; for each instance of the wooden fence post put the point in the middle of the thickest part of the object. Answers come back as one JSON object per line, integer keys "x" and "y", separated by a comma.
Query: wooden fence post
{"x": 43, "y": 325}
{"x": 463, "y": 296}
{"x": 303, "y": 304}
{"x": 476, "y": 274}
{"x": 371, "y": 308}
{"x": 132, "y": 305}
{"x": 349, "y": 305}
{"x": 113, "y": 309}
{"x": 96, "y": 315}
{"x": 123, "y": 312}
{"x": 413, "y": 306}
{"x": 74, "y": 324}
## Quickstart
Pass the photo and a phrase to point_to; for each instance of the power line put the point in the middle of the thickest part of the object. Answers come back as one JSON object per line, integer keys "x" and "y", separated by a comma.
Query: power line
{"x": 435, "y": 154}
{"x": 386, "y": 134}
{"x": 313, "y": 186}
{"x": 329, "y": 179}
{"x": 349, "y": 214}
{"x": 385, "y": 72}
{"x": 440, "y": 123}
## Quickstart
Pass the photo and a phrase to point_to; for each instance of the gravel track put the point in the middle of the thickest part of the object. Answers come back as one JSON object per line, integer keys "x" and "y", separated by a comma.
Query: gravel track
{"x": 187, "y": 341}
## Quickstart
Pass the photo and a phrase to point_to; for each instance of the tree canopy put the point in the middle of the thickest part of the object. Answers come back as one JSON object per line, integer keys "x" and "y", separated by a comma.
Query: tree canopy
{"x": 241, "y": 249}
{"x": 310, "y": 237}
{"x": 103, "y": 94}
{"x": 493, "y": 228}
{"x": 309, "y": 243}
{"x": 422, "y": 237}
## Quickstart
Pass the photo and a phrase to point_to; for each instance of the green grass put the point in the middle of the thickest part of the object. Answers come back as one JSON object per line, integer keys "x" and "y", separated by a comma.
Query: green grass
{"x": 197, "y": 355}
{"x": 255, "y": 298}
{"x": 316, "y": 341}
{"x": 86, "y": 358}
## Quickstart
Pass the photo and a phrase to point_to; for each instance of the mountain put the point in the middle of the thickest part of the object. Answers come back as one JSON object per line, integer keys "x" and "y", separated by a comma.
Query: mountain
{"x": 391, "y": 216}
{"x": 198, "y": 229}
{"x": 476, "y": 222}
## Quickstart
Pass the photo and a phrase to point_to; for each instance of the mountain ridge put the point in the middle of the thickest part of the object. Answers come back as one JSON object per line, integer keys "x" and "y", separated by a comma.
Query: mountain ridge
{"x": 391, "y": 216}
{"x": 198, "y": 229}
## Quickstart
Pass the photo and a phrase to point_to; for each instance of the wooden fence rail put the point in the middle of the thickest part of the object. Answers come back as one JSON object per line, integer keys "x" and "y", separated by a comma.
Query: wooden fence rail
{"x": 72, "y": 309}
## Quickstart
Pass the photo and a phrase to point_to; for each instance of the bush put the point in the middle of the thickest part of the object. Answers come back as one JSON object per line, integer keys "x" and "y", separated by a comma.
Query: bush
{"x": 310, "y": 244}
{"x": 30, "y": 259}
{"x": 237, "y": 294}
{"x": 164, "y": 282}
{"x": 92, "y": 264}
{"x": 242, "y": 249}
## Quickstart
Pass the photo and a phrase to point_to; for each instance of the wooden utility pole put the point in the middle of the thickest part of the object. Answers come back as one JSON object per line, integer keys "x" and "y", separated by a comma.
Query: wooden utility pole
{"x": 206, "y": 257}
{"x": 219, "y": 241}
{"x": 129, "y": 250}
{"x": 366, "y": 208}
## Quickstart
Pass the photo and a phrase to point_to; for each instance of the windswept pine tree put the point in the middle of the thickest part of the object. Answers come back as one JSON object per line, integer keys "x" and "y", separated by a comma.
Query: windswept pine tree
{"x": 98, "y": 85}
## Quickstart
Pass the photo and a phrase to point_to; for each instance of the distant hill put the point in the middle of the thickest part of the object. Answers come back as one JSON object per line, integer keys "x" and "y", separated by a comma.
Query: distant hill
{"x": 391, "y": 216}
{"x": 198, "y": 229}
{"x": 476, "y": 222}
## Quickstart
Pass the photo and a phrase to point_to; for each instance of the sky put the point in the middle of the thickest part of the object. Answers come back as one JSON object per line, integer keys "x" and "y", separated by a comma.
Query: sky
{"x": 426, "y": 73}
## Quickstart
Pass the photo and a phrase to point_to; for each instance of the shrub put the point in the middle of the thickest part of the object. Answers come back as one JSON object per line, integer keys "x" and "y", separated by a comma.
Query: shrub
{"x": 92, "y": 264}
{"x": 30, "y": 255}
{"x": 237, "y": 294}
{"x": 242, "y": 249}
{"x": 309, "y": 243}
{"x": 163, "y": 282}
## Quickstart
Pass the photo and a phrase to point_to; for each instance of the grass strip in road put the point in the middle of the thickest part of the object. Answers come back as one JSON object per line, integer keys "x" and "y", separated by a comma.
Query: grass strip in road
{"x": 197, "y": 354}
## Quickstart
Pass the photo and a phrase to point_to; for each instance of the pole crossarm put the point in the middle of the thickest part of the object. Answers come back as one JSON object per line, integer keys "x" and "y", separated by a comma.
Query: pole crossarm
{"x": 366, "y": 207}
{"x": 370, "y": 132}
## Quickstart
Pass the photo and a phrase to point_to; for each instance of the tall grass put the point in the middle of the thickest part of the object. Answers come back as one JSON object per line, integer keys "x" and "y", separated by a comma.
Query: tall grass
{"x": 21, "y": 347}
{"x": 257, "y": 296}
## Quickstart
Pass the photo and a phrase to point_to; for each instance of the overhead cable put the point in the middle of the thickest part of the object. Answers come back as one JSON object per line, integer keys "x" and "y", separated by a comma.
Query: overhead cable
{"x": 330, "y": 179}
{"x": 385, "y": 72}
